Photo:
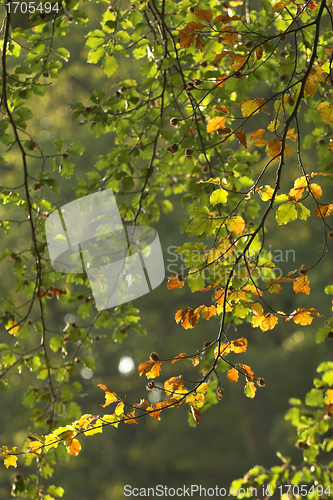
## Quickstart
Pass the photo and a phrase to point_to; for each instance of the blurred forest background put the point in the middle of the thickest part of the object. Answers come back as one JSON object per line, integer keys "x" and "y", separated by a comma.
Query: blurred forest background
{"x": 233, "y": 435}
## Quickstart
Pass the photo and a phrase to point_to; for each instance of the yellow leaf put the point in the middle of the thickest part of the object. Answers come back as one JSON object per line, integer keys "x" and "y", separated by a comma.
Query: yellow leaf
{"x": 299, "y": 185}
{"x": 311, "y": 84}
{"x": 12, "y": 327}
{"x": 324, "y": 210}
{"x": 329, "y": 397}
{"x": 206, "y": 311}
{"x": 239, "y": 345}
{"x": 291, "y": 135}
{"x": 257, "y": 309}
{"x": 204, "y": 15}
{"x": 173, "y": 383}
{"x": 224, "y": 349}
{"x": 236, "y": 224}
{"x": 180, "y": 356}
{"x": 187, "y": 317}
{"x": 195, "y": 361}
{"x": 266, "y": 192}
{"x": 51, "y": 441}
{"x": 119, "y": 410}
{"x": 11, "y": 460}
{"x": 260, "y": 143}
{"x": 330, "y": 146}
{"x": 301, "y": 285}
{"x": 250, "y": 390}
{"x": 303, "y": 318}
{"x": 216, "y": 123}
{"x": 150, "y": 368}
{"x": 232, "y": 375}
{"x": 264, "y": 321}
{"x": 251, "y": 107}
{"x": 110, "y": 395}
{"x": 316, "y": 190}
{"x": 326, "y": 112}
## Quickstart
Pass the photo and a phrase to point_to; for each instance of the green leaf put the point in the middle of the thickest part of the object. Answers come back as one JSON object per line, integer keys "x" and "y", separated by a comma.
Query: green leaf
{"x": 195, "y": 280}
{"x": 109, "y": 65}
{"x": 56, "y": 342}
{"x": 218, "y": 196}
{"x": 95, "y": 55}
{"x": 286, "y": 213}
{"x": 75, "y": 149}
{"x": 314, "y": 398}
{"x": 302, "y": 212}
{"x": 57, "y": 491}
{"x": 329, "y": 290}
{"x": 249, "y": 390}
{"x": 66, "y": 168}
{"x": 89, "y": 362}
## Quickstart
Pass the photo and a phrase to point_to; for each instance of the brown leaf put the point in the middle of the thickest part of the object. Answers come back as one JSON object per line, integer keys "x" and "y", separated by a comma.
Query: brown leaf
{"x": 187, "y": 317}
{"x": 196, "y": 414}
{"x": 242, "y": 138}
{"x": 259, "y": 51}
{"x": 324, "y": 210}
{"x": 175, "y": 282}
{"x": 204, "y": 15}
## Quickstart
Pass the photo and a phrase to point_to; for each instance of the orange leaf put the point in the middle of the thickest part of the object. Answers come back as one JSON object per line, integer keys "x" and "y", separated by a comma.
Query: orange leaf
{"x": 187, "y": 317}
{"x": 260, "y": 143}
{"x": 222, "y": 109}
{"x": 175, "y": 282}
{"x": 219, "y": 57}
{"x": 110, "y": 395}
{"x": 207, "y": 312}
{"x": 239, "y": 345}
{"x": 226, "y": 19}
{"x": 324, "y": 210}
{"x": 180, "y": 356}
{"x": 249, "y": 373}
{"x": 204, "y": 15}
{"x": 299, "y": 185}
{"x": 259, "y": 51}
{"x": 242, "y": 138}
{"x": 232, "y": 375}
{"x": 258, "y": 133}
{"x": 216, "y": 123}
{"x": 187, "y": 41}
{"x": 143, "y": 404}
{"x": 150, "y": 368}
{"x": 73, "y": 446}
{"x": 224, "y": 349}
{"x": 264, "y": 321}
{"x": 129, "y": 418}
{"x": 199, "y": 43}
{"x": 301, "y": 285}
{"x": 196, "y": 414}
{"x": 291, "y": 135}
{"x": 173, "y": 383}
{"x": 221, "y": 80}
{"x": 190, "y": 27}
{"x": 330, "y": 146}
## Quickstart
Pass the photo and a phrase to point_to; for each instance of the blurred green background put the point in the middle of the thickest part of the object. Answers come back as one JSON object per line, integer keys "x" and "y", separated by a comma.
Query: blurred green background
{"x": 233, "y": 435}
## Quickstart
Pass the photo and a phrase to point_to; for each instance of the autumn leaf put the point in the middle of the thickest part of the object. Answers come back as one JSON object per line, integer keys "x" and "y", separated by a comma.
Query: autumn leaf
{"x": 129, "y": 418}
{"x": 291, "y": 135}
{"x": 219, "y": 57}
{"x": 206, "y": 312}
{"x": 197, "y": 398}
{"x": 324, "y": 210}
{"x": 196, "y": 414}
{"x": 110, "y": 395}
{"x": 175, "y": 281}
{"x": 190, "y": 27}
{"x": 220, "y": 81}
{"x": 260, "y": 143}
{"x": 180, "y": 356}
{"x": 250, "y": 390}
{"x": 218, "y": 196}
{"x": 239, "y": 345}
{"x": 299, "y": 185}
{"x": 173, "y": 383}
{"x": 311, "y": 84}
{"x": 326, "y": 111}
{"x": 195, "y": 360}
{"x": 273, "y": 148}
{"x": 264, "y": 321}
{"x": 119, "y": 409}
{"x": 225, "y": 19}
{"x": 229, "y": 36}
{"x": 249, "y": 373}
{"x": 232, "y": 375}
{"x": 330, "y": 146}
{"x": 221, "y": 109}
{"x": 187, "y": 41}
{"x": 259, "y": 52}
{"x": 199, "y": 43}
{"x": 216, "y": 123}
{"x": 251, "y": 107}
{"x": 237, "y": 61}
{"x": 224, "y": 349}
{"x": 315, "y": 190}
{"x": 236, "y": 224}
{"x": 150, "y": 368}
{"x": 241, "y": 137}
{"x": 73, "y": 446}
{"x": 301, "y": 285}
{"x": 258, "y": 133}
{"x": 11, "y": 460}
{"x": 302, "y": 316}
{"x": 204, "y": 15}
{"x": 187, "y": 317}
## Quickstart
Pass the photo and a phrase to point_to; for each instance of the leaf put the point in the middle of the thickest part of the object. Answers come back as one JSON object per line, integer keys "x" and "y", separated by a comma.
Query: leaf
{"x": 110, "y": 395}
{"x": 286, "y": 213}
{"x": 173, "y": 383}
{"x": 175, "y": 282}
{"x": 299, "y": 185}
{"x": 241, "y": 137}
{"x": 196, "y": 414}
{"x": 249, "y": 373}
{"x": 224, "y": 349}
{"x": 266, "y": 192}
{"x": 259, "y": 52}
{"x": 73, "y": 446}
{"x": 250, "y": 390}
{"x": 324, "y": 210}
{"x": 315, "y": 190}
{"x": 129, "y": 418}
{"x": 237, "y": 61}
{"x": 150, "y": 368}
{"x": 221, "y": 109}
{"x": 11, "y": 460}
{"x": 187, "y": 317}
{"x": 301, "y": 285}
{"x": 264, "y": 321}
{"x": 311, "y": 84}
{"x": 232, "y": 375}
{"x": 187, "y": 41}
{"x": 326, "y": 111}
{"x": 216, "y": 123}
{"x": 204, "y": 15}
{"x": 180, "y": 356}
{"x": 197, "y": 398}
{"x": 258, "y": 133}
{"x": 229, "y": 36}
{"x": 206, "y": 312}
{"x": 195, "y": 360}
{"x": 220, "y": 81}
{"x": 12, "y": 327}
{"x": 219, "y": 57}
{"x": 239, "y": 345}
{"x": 291, "y": 135}
{"x": 236, "y": 224}
{"x": 218, "y": 196}
{"x": 225, "y": 19}
{"x": 330, "y": 146}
